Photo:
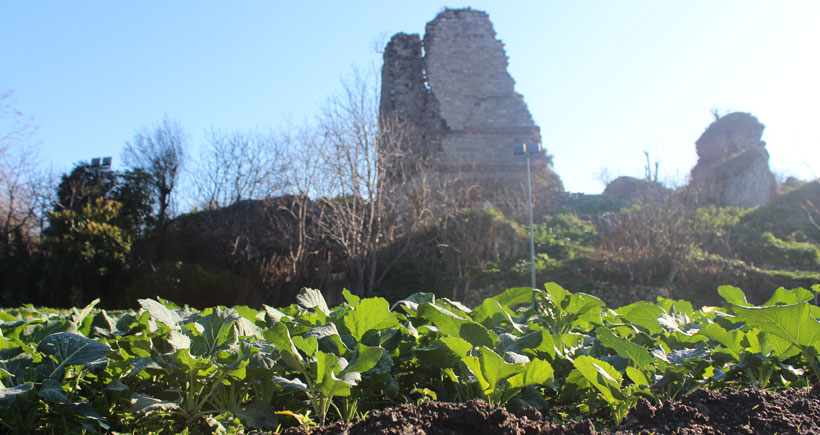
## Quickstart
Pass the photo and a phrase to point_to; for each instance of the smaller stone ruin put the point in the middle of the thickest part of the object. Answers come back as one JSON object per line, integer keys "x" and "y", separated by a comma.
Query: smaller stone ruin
{"x": 633, "y": 189}
{"x": 733, "y": 164}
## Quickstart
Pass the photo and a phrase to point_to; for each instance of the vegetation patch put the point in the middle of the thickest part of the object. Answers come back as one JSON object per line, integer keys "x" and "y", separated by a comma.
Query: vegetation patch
{"x": 170, "y": 369}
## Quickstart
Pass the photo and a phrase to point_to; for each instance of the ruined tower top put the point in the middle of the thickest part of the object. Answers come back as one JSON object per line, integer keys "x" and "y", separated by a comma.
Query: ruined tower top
{"x": 454, "y": 88}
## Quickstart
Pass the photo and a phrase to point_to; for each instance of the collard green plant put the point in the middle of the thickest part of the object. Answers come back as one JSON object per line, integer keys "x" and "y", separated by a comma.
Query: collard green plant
{"x": 167, "y": 368}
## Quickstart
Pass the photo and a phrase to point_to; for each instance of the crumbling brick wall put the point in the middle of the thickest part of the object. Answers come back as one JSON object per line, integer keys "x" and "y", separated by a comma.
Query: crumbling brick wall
{"x": 454, "y": 92}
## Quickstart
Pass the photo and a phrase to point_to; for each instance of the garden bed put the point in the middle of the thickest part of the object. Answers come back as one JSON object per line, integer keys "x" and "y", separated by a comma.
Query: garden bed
{"x": 728, "y": 411}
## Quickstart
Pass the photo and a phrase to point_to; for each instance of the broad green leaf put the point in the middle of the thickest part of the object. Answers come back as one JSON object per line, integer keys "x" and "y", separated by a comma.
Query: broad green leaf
{"x": 7, "y": 395}
{"x": 494, "y": 367}
{"x": 15, "y": 362}
{"x": 79, "y": 316}
{"x": 491, "y": 314}
{"x": 637, "y": 376}
{"x": 326, "y": 365}
{"x": 681, "y": 356}
{"x": 625, "y": 348}
{"x": 116, "y": 385}
{"x": 279, "y": 336}
{"x": 644, "y": 315}
{"x": 790, "y": 322}
{"x": 537, "y": 372}
{"x": 323, "y": 331}
{"x": 332, "y": 386}
{"x": 450, "y": 323}
{"x": 533, "y": 344}
{"x": 454, "y": 306}
{"x": 586, "y": 307}
{"x": 556, "y": 293}
{"x": 143, "y": 404}
{"x": 669, "y": 323}
{"x": 371, "y": 313}
{"x": 459, "y": 346}
{"x": 602, "y": 376}
{"x": 312, "y": 298}
{"x": 52, "y": 391}
{"x": 364, "y": 359}
{"x": 773, "y": 345}
{"x": 566, "y": 344}
{"x": 292, "y": 384}
{"x": 274, "y": 314}
{"x": 474, "y": 366}
{"x": 160, "y": 313}
{"x": 247, "y": 328}
{"x": 177, "y": 340}
{"x": 103, "y": 325}
{"x": 350, "y": 298}
{"x": 515, "y": 358}
{"x": 216, "y": 332}
{"x": 675, "y": 306}
{"x": 327, "y": 383}
{"x": 200, "y": 366}
{"x": 247, "y": 312}
{"x": 782, "y": 296}
{"x": 35, "y": 333}
{"x": 731, "y": 340}
{"x": 733, "y": 295}
{"x": 491, "y": 369}
{"x": 477, "y": 334}
{"x": 140, "y": 364}
{"x": 511, "y": 298}
{"x": 412, "y": 302}
{"x": 70, "y": 349}
{"x": 499, "y": 309}
{"x": 328, "y": 338}
{"x": 89, "y": 415}
{"x": 257, "y": 415}
{"x": 308, "y": 345}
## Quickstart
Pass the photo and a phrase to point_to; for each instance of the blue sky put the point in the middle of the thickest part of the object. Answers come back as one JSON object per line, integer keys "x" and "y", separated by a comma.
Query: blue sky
{"x": 604, "y": 80}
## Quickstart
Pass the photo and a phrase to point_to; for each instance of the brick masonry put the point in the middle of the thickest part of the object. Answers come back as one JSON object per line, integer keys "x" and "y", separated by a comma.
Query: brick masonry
{"x": 453, "y": 91}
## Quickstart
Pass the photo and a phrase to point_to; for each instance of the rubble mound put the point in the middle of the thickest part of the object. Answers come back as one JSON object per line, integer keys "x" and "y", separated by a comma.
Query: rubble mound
{"x": 635, "y": 190}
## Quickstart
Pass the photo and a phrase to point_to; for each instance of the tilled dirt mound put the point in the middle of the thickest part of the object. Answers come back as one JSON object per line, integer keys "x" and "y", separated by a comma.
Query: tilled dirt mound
{"x": 702, "y": 412}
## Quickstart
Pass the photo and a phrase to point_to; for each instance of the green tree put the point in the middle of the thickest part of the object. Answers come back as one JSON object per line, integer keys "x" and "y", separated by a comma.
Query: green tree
{"x": 134, "y": 191}
{"x": 87, "y": 254}
{"x": 84, "y": 185}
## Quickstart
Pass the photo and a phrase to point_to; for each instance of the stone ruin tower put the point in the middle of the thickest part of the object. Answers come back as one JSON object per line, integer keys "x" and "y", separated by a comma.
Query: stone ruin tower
{"x": 733, "y": 164}
{"x": 458, "y": 102}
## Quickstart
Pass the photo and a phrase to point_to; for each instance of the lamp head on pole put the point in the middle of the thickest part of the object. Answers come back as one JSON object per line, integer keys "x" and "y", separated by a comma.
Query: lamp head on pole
{"x": 527, "y": 149}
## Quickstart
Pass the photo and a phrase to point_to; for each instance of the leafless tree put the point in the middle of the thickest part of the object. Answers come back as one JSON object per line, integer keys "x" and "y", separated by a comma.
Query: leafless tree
{"x": 23, "y": 185}
{"x": 304, "y": 177}
{"x": 160, "y": 152}
{"x": 236, "y": 166}
{"x": 363, "y": 208}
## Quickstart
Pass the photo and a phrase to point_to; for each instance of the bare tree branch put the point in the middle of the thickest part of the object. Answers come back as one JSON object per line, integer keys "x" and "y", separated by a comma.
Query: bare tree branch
{"x": 160, "y": 152}
{"x": 237, "y": 166}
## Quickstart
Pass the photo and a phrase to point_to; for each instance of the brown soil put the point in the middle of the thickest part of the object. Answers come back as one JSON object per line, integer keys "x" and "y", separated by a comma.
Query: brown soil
{"x": 702, "y": 412}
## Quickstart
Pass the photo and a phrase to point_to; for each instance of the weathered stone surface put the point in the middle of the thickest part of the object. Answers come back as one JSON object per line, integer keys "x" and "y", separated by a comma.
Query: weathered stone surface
{"x": 460, "y": 100}
{"x": 406, "y": 98}
{"x": 733, "y": 164}
{"x": 635, "y": 189}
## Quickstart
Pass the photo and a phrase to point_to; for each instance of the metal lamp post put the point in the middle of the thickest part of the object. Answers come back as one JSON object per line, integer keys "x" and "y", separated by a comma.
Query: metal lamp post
{"x": 529, "y": 150}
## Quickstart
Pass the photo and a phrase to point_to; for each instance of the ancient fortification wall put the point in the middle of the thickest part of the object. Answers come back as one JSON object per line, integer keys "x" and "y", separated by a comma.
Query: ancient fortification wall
{"x": 733, "y": 164}
{"x": 455, "y": 93}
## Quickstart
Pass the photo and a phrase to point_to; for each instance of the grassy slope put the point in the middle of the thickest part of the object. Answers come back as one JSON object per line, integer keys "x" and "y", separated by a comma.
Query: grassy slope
{"x": 622, "y": 253}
